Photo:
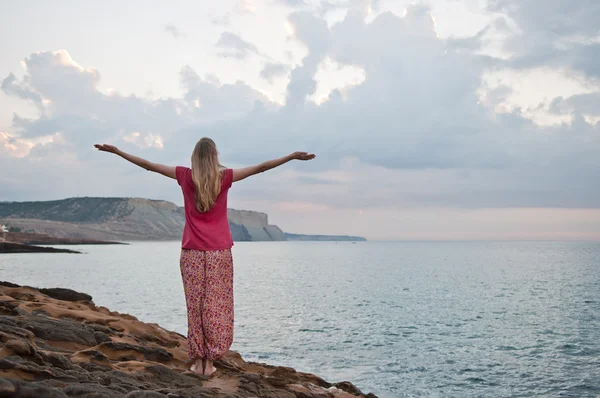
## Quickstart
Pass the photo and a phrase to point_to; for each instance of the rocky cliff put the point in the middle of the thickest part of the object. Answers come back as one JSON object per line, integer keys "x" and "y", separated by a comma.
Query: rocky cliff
{"x": 257, "y": 225}
{"x": 57, "y": 343}
{"x": 324, "y": 238}
{"x": 122, "y": 219}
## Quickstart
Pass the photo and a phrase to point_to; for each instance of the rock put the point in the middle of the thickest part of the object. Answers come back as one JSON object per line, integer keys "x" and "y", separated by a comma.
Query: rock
{"x": 56, "y": 360}
{"x": 145, "y": 394}
{"x": 20, "y": 389}
{"x": 57, "y": 343}
{"x": 9, "y": 247}
{"x": 126, "y": 351}
{"x": 8, "y": 309}
{"x": 58, "y": 330}
{"x": 348, "y": 387}
{"x": 8, "y": 326}
{"x": 88, "y": 390}
{"x": 66, "y": 294}
{"x": 8, "y": 284}
{"x": 7, "y": 388}
{"x": 20, "y": 347}
{"x": 101, "y": 337}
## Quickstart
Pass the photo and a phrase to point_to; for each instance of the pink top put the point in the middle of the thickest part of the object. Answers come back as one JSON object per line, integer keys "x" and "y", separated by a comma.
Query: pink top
{"x": 210, "y": 230}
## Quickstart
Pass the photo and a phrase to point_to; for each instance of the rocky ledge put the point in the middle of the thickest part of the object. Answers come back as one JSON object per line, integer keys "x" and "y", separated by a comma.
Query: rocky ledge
{"x": 9, "y": 247}
{"x": 58, "y": 343}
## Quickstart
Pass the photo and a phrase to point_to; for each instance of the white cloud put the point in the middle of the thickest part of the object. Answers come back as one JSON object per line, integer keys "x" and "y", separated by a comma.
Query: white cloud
{"x": 553, "y": 33}
{"x": 11, "y": 86}
{"x": 19, "y": 147}
{"x": 530, "y": 92}
{"x": 175, "y": 31}
{"x": 416, "y": 128}
{"x": 223, "y": 20}
{"x": 148, "y": 140}
{"x": 232, "y": 45}
{"x": 273, "y": 70}
{"x": 292, "y": 3}
{"x": 244, "y": 7}
{"x": 11, "y": 146}
{"x": 334, "y": 77}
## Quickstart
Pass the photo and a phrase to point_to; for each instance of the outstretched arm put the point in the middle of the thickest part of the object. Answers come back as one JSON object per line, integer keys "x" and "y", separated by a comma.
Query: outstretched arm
{"x": 240, "y": 174}
{"x": 168, "y": 171}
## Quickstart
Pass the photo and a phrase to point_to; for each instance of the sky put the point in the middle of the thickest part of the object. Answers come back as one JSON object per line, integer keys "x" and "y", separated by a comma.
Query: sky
{"x": 431, "y": 120}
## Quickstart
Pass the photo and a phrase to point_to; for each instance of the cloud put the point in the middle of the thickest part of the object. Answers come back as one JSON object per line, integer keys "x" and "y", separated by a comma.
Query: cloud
{"x": 416, "y": 131}
{"x": 274, "y": 70}
{"x": 148, "y": 140}
{"x": 314, "y": 34}
{"x": 11, "y": 86}
{"x": 174, "y": 30}
{"x": 232, "y": 45}
{"x": 209, "y": 101}
{"x": 244, "y": 7}
{"x": 581, "y": 104}
{"x": 224, "y": 20}
{"x": 557, "y": 33}
{"x": 292, "y": 3}
{"x": 11, "y": 146}
{"x": 83, "y": 114}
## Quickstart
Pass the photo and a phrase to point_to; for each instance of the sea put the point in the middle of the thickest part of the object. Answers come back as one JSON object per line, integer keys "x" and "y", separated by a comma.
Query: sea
{"x": 398, "y": 319}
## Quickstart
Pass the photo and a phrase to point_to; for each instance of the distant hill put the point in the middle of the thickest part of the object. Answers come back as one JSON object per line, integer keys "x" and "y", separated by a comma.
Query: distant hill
{"x": 126, "y": 219}
{"x": 122, "y": 219}
{"x": 324, "y": 238}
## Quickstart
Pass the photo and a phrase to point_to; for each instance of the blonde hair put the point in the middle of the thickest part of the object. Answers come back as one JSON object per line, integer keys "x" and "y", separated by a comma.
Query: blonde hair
{"x": 206, "y": 174}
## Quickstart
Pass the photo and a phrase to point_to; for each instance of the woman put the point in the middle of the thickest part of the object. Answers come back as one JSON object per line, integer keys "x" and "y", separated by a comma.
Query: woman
{"x": 206, "y": 262}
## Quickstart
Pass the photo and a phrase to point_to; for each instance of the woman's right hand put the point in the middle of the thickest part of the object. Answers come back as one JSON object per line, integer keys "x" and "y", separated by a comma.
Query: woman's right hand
{"x": 303, "y": 156}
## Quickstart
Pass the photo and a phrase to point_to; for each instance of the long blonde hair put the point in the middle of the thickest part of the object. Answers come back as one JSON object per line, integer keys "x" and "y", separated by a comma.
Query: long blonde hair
{"x": 206, "y": 174}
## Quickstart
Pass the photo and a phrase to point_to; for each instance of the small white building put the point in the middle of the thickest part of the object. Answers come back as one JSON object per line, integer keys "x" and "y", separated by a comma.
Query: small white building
{"x": 4, "y": 229}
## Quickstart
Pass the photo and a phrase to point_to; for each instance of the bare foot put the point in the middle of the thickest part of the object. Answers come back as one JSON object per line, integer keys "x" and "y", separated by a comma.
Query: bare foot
{"x": 209, "y": 369}
{"x": 197, "y": 368}
{"x": 209, "y": 372}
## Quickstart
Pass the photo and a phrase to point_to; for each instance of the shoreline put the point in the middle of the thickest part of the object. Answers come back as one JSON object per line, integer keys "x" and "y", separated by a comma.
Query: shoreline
{"x": 57, "y": 342}
{"x": 10, "y": 247}
{"x": 27, "y": 238}
{"x": 23, "y": 242}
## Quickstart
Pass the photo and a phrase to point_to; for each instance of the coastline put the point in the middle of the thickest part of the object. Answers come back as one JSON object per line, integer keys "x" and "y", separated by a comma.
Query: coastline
{"x": 23, "y": 242}
{"x": 57, "y": 342}
{"x": 11, "y": 247}
{"x": 26, "y": 238}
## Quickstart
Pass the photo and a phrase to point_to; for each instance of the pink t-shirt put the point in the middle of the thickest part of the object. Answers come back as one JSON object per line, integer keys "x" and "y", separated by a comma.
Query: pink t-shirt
{"x": 210, "y": 230}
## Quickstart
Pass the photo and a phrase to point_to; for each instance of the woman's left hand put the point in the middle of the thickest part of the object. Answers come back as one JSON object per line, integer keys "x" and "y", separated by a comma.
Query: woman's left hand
{"x": 107, "y": 148}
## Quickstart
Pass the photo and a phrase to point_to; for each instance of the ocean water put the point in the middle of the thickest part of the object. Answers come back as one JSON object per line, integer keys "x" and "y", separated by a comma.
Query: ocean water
{"x": 409, "y": 319}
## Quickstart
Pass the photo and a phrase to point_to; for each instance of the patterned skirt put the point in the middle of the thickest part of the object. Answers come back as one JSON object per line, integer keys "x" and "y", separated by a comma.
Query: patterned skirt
{"x": 208, "y": 285}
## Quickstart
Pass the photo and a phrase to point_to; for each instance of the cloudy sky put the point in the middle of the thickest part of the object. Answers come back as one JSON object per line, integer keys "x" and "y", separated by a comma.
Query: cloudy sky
{"x": 442, "y": 119}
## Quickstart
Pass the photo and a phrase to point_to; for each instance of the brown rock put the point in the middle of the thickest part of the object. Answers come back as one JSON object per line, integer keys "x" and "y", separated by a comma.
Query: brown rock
{"x": 20, "y": 347}
{"x": 7, "y": 388}
{"x": 56, "y": 360}
{"x": 58, "y": 344}
{"x": 20, "y": 389}
{"x": 348, "y": 387}
{"x": 58, "y": 330}
{"x": 145, "y": 394}
{"x": 66, "y": 294}
{"x": 121, "y": 351}
{"x": 7, "y": 308}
